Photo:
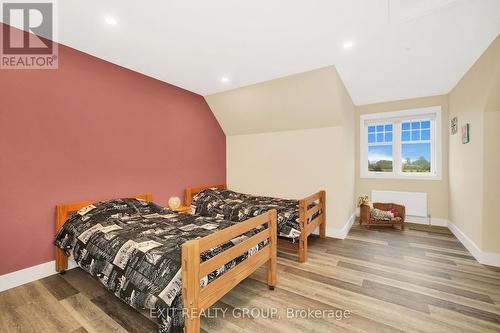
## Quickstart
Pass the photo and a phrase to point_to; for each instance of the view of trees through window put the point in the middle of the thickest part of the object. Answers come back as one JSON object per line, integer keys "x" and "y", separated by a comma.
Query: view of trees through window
{"x": 380, "y": 158}
{"x": 416, "y": 157}
{"x": 415, "y": 147}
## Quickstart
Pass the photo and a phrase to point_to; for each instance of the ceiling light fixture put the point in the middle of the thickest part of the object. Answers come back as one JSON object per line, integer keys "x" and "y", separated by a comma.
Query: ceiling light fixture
{"x": 111, "y": 20}
{"x": 348, "y": 44}
{"x": 224, "y": 79}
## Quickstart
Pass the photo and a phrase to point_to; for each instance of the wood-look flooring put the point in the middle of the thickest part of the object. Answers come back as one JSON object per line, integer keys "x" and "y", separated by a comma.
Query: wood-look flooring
{"x": 419, "y": 280}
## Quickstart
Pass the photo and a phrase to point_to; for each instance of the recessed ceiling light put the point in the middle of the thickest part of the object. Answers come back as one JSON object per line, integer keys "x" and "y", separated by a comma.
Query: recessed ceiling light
{"x": 224, "y": 79}
{"x": 111, "y": 20}
{"x": 348, "y": 44}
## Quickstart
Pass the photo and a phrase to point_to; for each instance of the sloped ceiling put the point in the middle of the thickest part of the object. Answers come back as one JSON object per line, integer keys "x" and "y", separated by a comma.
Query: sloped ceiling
{"x": 479, "y": 88}
{"x": 401, "y": 48}
{"x": 312, "y": 99}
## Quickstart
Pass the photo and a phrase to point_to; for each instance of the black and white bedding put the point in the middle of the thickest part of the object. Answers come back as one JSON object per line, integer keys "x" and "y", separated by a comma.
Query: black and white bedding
{"x": 234, "y": 206}
{"x": 133, "y": 247}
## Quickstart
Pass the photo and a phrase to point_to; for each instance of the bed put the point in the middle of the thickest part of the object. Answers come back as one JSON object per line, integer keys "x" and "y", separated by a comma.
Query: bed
{"x": 296, "y": 219}
{"x": 174, "y": 264}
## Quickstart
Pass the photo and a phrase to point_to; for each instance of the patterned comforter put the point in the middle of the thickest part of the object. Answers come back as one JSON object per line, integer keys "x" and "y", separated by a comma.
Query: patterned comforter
{"x": 234, "y": 206}
{"x": 133, "y": 247}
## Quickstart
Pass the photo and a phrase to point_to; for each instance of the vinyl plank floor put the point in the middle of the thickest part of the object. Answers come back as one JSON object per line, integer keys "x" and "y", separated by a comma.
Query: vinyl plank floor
{"x": 418, "y": 280}
{"x": 90, "y": 316}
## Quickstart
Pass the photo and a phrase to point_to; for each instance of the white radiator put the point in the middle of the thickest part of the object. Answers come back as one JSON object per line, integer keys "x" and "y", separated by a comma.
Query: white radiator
{"x": 414, "y": 202}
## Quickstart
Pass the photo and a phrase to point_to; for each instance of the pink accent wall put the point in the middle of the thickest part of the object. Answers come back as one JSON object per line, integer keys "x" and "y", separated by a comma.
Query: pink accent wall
{"x": 92, "y": 130}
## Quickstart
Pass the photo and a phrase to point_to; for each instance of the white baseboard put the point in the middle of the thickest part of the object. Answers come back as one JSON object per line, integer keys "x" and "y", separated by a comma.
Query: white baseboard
{"x": 435, "y": 221}
{"x": 485, "y": 258}
{"x": 341, "y": 233}
{"x": 30, "y": 274}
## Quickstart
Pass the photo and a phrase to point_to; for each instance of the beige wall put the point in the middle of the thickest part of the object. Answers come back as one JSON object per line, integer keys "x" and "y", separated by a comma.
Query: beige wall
{"x": 474, "y": 167}
{"x": 437, "y": 190}
{"x": 294, "y": 164}
{"x": 491, "y": 232}
{"x": 291, "y": 137}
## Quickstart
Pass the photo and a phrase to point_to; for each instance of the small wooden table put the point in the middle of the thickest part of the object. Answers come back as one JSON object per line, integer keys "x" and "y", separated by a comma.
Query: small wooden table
{"x": 366, "y": 219}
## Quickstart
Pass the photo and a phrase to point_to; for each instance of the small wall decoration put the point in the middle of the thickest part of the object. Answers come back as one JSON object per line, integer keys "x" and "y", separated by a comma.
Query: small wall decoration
{"x": 465, "y": 134}
{"x": 454, "y": 126}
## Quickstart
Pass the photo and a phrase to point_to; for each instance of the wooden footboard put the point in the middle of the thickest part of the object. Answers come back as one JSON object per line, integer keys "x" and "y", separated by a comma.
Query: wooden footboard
{"x": 197, "y": 299}
{"x": 62, "y": 214}
{"x": 306, "y": 226}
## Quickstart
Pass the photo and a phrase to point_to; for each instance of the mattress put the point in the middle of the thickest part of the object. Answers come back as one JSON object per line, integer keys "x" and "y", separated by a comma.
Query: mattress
{"x": 133, "y": 247}
{"x": 237, "y": 207}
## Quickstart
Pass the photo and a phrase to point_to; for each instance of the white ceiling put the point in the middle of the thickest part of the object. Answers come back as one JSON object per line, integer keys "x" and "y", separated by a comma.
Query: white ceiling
{"x": 402, "y": 48}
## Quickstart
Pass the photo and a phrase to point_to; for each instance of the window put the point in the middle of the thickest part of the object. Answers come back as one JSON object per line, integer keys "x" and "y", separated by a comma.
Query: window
{"x": 401, "y": 144}
{"x": 380, "y": 148}
{"x": 416, "y": 146}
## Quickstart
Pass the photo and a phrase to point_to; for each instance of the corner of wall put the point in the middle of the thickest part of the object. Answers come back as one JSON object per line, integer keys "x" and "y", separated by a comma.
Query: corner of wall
{"x": 474, "y": 166}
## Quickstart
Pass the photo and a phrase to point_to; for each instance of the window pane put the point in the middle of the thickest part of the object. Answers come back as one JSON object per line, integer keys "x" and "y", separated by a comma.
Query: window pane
{"x": 380, "y": 158}
{"x": 425, "y": 135}
{"x": 405, "y": 136}
{"x": 371, "y": 138}
{"x": 416, "y": 157}
{"x": 380, "y": 128}
{"x": 415, "y": 125}
{"x": 405, "y": 126}
{"x": 415, "y": 135}
{"x": 380, "y": 137}
{"x": 371, "y": 129}
{"x": 426, "y": 124}
{"x": 388, "y": 128}
{"x": 388, "y": 136}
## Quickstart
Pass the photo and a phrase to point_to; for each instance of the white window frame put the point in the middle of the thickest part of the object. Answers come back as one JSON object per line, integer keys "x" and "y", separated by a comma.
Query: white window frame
{"x": 396, "y": 118}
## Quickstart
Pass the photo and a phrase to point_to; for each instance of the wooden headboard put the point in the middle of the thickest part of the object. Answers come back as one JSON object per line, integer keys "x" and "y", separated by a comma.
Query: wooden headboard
{"x": 62, "y": 215}
{"x": 193, "y": 190}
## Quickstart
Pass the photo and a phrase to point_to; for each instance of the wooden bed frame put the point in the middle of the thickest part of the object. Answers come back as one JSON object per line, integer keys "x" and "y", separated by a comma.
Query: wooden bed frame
{"x": 198, "y": 299}
{"x": 284, "y": 244}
